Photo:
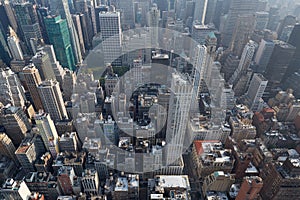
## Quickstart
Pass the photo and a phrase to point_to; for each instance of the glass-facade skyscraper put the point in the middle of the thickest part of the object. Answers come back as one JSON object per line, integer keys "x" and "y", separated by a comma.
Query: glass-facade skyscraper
{"x": 59, "y": 37}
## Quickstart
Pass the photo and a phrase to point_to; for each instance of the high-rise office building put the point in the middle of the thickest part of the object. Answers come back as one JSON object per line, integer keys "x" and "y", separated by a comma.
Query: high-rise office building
{"x": 77, "y": 24}
{"x": 237, "y": 8}
{"x": 153, "y": 22}
{"x": 47, "y": 129}
{"x": 42, "y": 62}
{"x": 200, "y": 11}
{"x": 244, "y": 63}
{"x": 110, "y": 28}
{"x": 52, "y": 100}
{"x": 244, "y": 28}
{"x": 261, "y": 20}
{"x": 15, "y": 122}
{"x": 210, "y": 11}
{"x": 263, "y": 54}
{"x": 98, "y": 10}
{"x": 127, "y": 13}
{"x": 289, "y": 20}
{"x": 255, "y": 92}
{"x": 200, "y": 32}
{"x": 33, "y": 80}
{"x": 11, "y": 90}
{"x": 274, "y": 18}
{"x": 59, "y": 37}
{"x": 14, "y": 45}
{"x": 179, "y": 106}
{"x": 28, "y": 21}
{"x": 7, "y": 148}
{"x": 7, "y": 16}
{"x": 5, "y": 54}
{"x": 57, "y": 68}
{"x": 61, "y": 7}
{"x": 278, "y": 64}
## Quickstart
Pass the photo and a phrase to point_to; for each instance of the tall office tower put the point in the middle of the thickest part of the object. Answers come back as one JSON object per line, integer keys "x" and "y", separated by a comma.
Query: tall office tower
{"x": 86, "y": 30}
{"x": 178, "y": 116}
{"x": 11, "y": 90}
{"x": 57, "y": 68}
{"x": 52, "y": 100}
{"x": 5, "y": 54}
{"x": 59, "y": 37}
{"x": 7, "y": 148}
{"x": 143, "y": 7}
{"x": 261, "y": 20}
{"x": 77, "y": 24}
{"x": 244, "y": 63}
{"x": 200, "y": 32}
{"x": 263, "y": 54}
{"x": 68, "y": 84}
{"x": 61, "y": 7}
{"x": 281, "y": 57}
{"x": 289, "y": 20}
{"x": 237, "y": 8}
{"x": 127, "y": 14}
{"x": 33, "y": 80}
{"x": 28, "y": 152}
{"x": 15, "y": 190}
{"x": 244, "y": 28}
{"x": 42, "y": 62}
{"x": 41, "y": 13}
{"x": 14, "y": 45}
{"x": 98, "y": 10}
{"x": 153, "y": 22}
{"x": 250, "y": 188}
{"x": 200, "y": 11}
{"x": 28, "y": 21}
{"x": 15, "y": 122}
{"x": 110, "y": 28}
{"x": 255, "y": 92}
{"x": 47, "y": 130}
{"x": 274, "y": 18}
{"x": 7, "y": 16}
{"x": 210, "y": 11}
{"x": 294, "y": 40}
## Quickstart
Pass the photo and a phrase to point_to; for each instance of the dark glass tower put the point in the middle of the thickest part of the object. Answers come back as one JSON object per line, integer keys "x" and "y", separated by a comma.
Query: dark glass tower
{"x": 59, "y": 37}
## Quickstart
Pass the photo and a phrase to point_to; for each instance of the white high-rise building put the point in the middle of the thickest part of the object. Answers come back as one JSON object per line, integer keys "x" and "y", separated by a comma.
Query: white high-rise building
{"x": 110, "y": 28}
{"x": 178, "y": 116}
{"x": 52, "y": 100}
{"x": 255, "y": 92}
{"x": 11, "y": 90}
{"x": 46, "y": 128}
{"x": 14, "y": 45}
{"x": 245, "y": 61}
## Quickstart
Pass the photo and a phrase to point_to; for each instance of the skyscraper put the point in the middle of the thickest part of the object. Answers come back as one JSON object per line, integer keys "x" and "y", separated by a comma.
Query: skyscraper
{"x": 59, "y": 37}
{"x": 7, "y": 16}
{"x": 52, "y": 100}
{"x": 33, "y": 80}
{"x": 42, "y": 62}
{"x": 28, "y": 20}
{"x": 77, "y": 24}
{"x": 179, "y": 106}
{"x": 263, "y": 54}
{"x": 61, "y": 7}
{"x": 47, "y": 130}
{"x": 237, "y": 8}
{"x": 14, "y": 45}
{"x": 5, "y": 54}
{"x": 200, "y": 11}
{"x": 281, "y": 57}
{"x": 255, "y": 92}
{"x": 153, "y": 20}
{"x": 11, "y": 90}
{"x": 110, "y": 27}
{"x": 7, "y": 148}
{"x": 15, "y": 122}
